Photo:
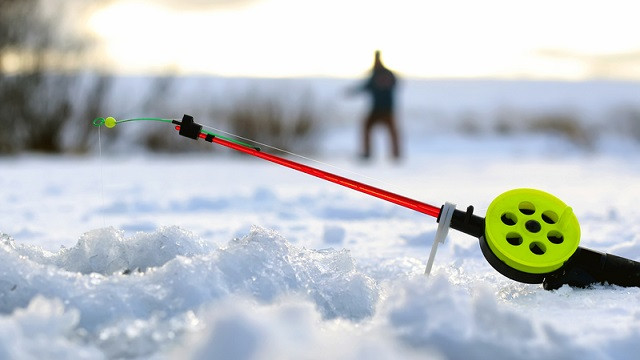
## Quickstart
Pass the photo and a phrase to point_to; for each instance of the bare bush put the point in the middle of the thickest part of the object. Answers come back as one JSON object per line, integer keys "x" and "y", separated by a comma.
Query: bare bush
{"x": 35, "y": 111}
{"x": 626, "y": 120}
{"x": 163, "y": 141}
{"x": 277, "y": 123}
{"x": 564, "y": 125}
{"x": 35, "y": 105}
{"x": 560, "y": 123}
{"x": 469, "y": 124}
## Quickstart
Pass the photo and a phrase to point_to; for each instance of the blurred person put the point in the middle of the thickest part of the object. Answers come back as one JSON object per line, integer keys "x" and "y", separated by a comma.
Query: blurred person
{"x": 380, "y": 85}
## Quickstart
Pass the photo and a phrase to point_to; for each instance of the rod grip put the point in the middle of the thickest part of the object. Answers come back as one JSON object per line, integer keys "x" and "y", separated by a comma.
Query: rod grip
{"x": 587, "y": 267}
{"x": 621, "y": 271}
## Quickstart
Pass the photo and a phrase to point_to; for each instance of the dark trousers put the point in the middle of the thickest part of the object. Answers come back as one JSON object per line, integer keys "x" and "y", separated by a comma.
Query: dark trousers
{"x": 387, "y": 119}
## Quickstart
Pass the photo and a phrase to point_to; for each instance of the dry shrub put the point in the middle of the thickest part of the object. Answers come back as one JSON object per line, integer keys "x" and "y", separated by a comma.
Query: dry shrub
{"x": 568, "y": 126}
{"x": 626, "y": 120}
{"x": 284, "y": 125}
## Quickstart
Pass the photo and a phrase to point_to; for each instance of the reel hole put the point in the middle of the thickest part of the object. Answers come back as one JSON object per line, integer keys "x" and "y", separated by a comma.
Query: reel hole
{"x": 514, "y": 239}
{"x": 555, "y": 237}
{"x": 533, "y": 226}
{"x": 527, "y": 208}
{"x": 509, "y": 219}
{"x": 550, "y": 217}
{"x": 537, "y": 248}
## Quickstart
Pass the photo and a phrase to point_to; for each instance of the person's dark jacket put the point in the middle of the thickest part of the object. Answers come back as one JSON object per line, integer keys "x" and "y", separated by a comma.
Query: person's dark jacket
{"x": 381, "y": 85}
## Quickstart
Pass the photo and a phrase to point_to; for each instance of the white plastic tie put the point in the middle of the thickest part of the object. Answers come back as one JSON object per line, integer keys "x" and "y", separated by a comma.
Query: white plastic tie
{"x": 441, "y": 233}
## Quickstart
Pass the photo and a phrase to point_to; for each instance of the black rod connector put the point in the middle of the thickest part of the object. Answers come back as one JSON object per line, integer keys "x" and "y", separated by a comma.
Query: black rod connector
{"x": 466, "y": 222}
{"x": 188, "y": 127}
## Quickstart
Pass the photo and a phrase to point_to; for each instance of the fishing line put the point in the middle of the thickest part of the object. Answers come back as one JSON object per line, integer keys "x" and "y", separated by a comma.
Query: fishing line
{"x": 104, "y": 222}
{"x": 111, "y": 122}
{"x": 352, "y": 172}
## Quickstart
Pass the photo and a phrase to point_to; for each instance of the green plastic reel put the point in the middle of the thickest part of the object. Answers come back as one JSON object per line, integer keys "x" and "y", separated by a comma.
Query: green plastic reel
{"x": 531, "y": 231}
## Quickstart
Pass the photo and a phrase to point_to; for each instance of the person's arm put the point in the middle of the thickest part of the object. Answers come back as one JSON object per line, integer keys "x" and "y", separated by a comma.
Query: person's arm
{"x": 364, "y": 86}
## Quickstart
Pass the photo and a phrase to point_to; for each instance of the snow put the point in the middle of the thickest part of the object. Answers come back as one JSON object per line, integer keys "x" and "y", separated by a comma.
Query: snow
{"x": 201, "y": 256}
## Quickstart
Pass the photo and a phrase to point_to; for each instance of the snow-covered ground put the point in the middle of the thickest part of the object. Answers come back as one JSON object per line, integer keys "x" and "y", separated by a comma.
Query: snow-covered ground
{"x": 213, "y": 256}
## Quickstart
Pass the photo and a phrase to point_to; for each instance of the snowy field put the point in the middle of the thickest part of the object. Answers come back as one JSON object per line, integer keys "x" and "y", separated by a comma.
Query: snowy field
{"x": 211, "y": 256}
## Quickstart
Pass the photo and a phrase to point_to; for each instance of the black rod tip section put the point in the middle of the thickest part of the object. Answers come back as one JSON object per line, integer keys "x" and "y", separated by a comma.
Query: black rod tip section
{"x": 188, "y": 127}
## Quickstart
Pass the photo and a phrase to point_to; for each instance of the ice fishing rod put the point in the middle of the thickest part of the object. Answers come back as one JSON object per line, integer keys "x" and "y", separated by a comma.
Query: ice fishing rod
{"x": 527, "y": 235}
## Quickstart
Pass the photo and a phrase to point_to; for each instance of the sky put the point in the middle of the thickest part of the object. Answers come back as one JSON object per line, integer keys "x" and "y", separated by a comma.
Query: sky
{"x": 542, "y": 39}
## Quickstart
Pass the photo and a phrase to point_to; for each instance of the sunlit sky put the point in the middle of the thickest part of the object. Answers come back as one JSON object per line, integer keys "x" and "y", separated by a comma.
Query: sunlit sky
{"x": 557, "y": 39}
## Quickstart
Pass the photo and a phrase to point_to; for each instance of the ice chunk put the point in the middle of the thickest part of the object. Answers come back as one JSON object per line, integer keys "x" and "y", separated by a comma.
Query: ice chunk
{"x": 266, "y": 265}
{"x": 436, "y": 315}
{"x": 107, "y": 251}
{"x": 43, "y": 330}
{"x": 135, "y": 315}
{"x": 287, "y": 329}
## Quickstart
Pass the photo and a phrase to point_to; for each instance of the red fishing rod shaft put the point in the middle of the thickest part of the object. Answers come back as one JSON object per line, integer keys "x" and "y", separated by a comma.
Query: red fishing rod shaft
{"x": 352, "y": 184}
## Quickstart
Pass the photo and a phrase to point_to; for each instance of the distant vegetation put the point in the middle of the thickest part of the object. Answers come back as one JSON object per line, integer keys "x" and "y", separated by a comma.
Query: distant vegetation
{"x": 263, "y": 117}
{"x": 52, "y": 116}
{"x": 268, "y": 121}
{"x": 50, "y": 112}
{"x": 562, "y": 124}
{"x": 36, "y": 107}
